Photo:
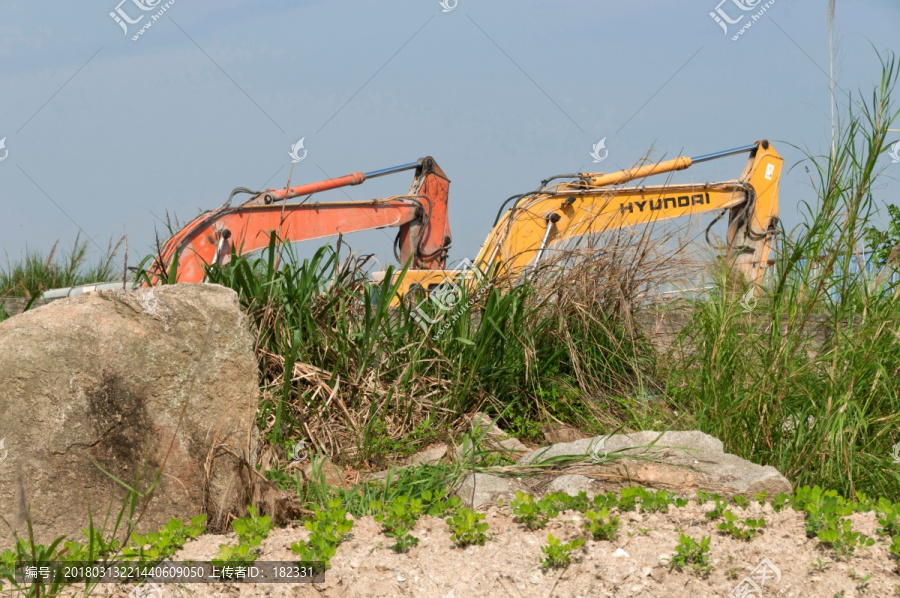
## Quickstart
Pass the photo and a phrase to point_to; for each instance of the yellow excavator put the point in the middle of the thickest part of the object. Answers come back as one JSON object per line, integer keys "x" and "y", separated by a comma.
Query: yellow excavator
{"x": 593, "y": 203}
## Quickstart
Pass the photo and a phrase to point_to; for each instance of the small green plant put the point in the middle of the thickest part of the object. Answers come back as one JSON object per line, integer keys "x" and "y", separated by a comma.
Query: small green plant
{"x": 732, "y": 573}
{"x": 862, "y": 583}
{"x": 600, "y": 525}
{"x": 436, "y": 502}
{"x": 745, "y": 530}
{"x": 251, "y": 531}
{"x": 467, "y": 528}
{"x": 717, "y": 510}
{"x": 531, "y": 513}
{"x": 895, "y": 547}
{"x": 557, "y": 554}
{"x": 888, "y": 514}
{"x": 760, "y": 497}
{"x": 841, "y": 538}
{"x": 819, "y": 566}
{"x": 692, "y": 554}
{"x": 659, "y": 501}
{"x": 327, "y": 529}
{"x": 398, "y": 520}
{"x": 567, "y": 502}
{"x": 157, "y": 546}
{"x": 704, "y": 497}
{"x": 628, "y": 498}
{"x": 781, "y": 500}
{"x": 741, "y": 501}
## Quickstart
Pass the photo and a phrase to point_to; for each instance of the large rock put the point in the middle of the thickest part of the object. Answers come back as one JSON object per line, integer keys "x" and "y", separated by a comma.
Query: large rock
{"x": 117, "y": 384}
{"x": 683, "y": 461}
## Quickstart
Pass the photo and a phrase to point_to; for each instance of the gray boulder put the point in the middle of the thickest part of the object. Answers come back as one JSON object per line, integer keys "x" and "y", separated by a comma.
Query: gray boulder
{"x": 121, "y": 384}
{"x": 683, "y": 461}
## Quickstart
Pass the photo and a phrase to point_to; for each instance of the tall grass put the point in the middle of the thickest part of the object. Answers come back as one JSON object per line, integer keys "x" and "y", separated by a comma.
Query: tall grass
{"x": 360, "y": 379}
{"x": 36, "y": 272}
{"x": 807, "y": 381}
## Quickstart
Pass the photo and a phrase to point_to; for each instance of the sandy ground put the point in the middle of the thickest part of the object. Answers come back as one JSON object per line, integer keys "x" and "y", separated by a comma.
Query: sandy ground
{"x": 508, "y": 564}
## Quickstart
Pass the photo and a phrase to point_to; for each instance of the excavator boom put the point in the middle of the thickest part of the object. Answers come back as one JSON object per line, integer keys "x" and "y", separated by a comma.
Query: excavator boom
{"x": 421, "y": 216}
{"x": 592, "y": 204}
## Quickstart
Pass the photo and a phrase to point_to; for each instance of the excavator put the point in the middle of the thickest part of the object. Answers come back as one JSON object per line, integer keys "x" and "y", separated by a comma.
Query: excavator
{"x": 422, "y": 240}
{"x": 591, "y": 203}
{"x": 537, "y": 222}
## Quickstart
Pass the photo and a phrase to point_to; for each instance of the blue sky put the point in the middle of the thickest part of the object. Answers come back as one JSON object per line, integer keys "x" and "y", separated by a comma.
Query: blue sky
{"x": 107, "y": 134}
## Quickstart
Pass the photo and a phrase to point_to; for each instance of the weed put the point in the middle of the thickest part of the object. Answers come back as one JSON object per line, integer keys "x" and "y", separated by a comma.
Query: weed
{"x": 888, "y": 514}
{"x": 781, "y": 500}
{"x": 557, "y": 554}
{"x": 717, "y": 510}
{"x": 862, "y": 583}
{"x": 158, "y": 546}
{"x": 531, "y": 513}
{"x": 251, "y": 531}
{"x": 327, "y": 528}
{"x": 895, "y": 547}
{"x": 467, "y": 528}
{"x": 564, "y": 502}
{"x": 600, "y": 525}
{"x": 398, "y": 519}
{"x": 745, "y": 530}
{"x": 693, "y": 555}
{"x": 820, "y": 565}
{"x": 741, "y": 501}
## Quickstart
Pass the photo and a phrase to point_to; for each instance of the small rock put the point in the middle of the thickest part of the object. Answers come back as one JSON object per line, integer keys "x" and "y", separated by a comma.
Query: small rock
{"x": 334, "y": 476}
{"x": 572, "y": 484}
{"x": 646, "y": 572}
{"x": 481, "y": 489}
{"x": 400, "y": 577}
{"x": 620, "y": 553}
{"x": 430, "y": 456}
{"x": 535, "y": 578}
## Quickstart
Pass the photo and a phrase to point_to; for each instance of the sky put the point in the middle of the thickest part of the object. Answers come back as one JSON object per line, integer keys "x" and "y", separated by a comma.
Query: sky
{"x": 109, "y": 127}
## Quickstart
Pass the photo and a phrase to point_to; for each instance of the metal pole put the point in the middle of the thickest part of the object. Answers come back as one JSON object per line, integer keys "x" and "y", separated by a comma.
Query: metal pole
{"x": 716, "y": 155}
{"x": 391, "y": 170}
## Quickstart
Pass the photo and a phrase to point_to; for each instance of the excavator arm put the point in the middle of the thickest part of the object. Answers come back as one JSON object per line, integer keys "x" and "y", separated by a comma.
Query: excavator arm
{"x": 593, "y": 204}
{"x": 421, "y": 215}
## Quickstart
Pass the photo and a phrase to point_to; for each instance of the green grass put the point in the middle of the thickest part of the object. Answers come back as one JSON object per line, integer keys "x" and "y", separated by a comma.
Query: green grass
{"x": 518, "y": 353}
{"x": 37, "y": 272}
{"x": 363, "y": 382}
{"x": 825, "y": 411}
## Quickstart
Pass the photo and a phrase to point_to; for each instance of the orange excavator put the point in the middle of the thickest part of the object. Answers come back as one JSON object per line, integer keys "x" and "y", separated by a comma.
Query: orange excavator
{"x": 423, "y": 238}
